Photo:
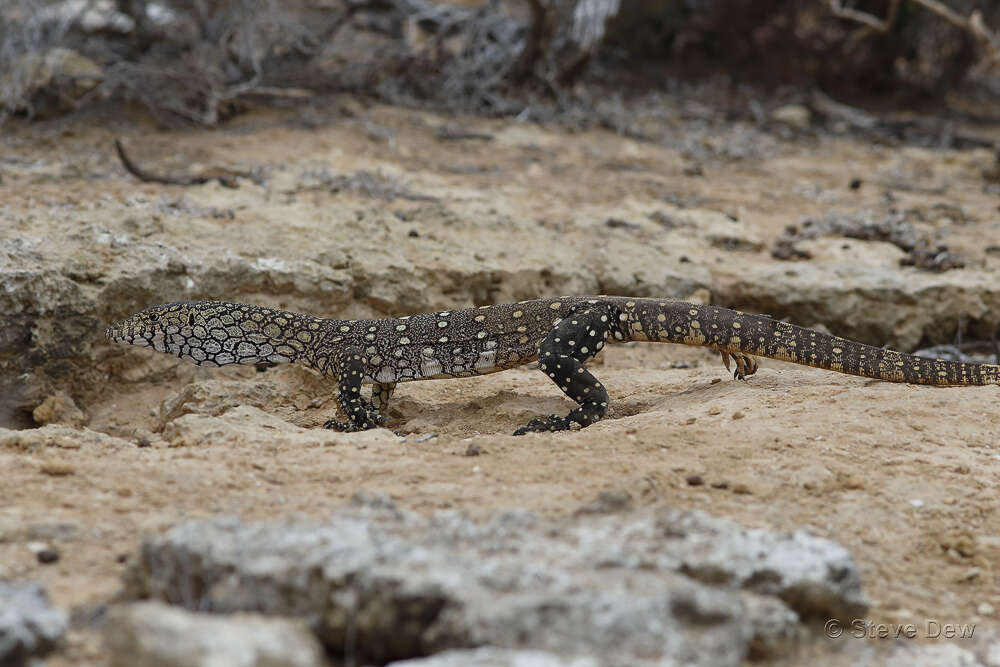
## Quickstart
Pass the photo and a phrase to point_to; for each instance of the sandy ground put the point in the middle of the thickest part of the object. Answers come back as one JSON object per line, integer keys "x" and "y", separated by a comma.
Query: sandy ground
{"x": 907, "y": 478}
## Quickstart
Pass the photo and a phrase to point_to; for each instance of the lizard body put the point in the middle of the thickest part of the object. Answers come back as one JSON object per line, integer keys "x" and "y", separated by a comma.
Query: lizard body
{"x": 559, "y": 333}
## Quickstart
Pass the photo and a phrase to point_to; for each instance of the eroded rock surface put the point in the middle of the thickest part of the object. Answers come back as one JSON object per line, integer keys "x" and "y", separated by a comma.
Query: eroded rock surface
{"x": 245, "y": 424}
{"x": 640, "y": 588}
{"x": 57, "y": 436}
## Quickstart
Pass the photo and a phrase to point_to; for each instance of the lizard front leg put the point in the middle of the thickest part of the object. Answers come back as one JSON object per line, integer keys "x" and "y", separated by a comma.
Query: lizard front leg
{"x": 361, "y": 414}
{"x": 577, "y": 338}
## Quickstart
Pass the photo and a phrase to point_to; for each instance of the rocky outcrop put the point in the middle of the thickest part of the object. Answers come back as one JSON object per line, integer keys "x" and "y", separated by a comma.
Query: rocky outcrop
{"x": 913, "y": 307}
{"x": 640, "y": 588}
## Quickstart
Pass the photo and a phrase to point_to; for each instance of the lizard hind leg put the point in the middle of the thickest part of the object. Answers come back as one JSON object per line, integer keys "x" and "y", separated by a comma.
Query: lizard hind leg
{"x": 575, "y": 339}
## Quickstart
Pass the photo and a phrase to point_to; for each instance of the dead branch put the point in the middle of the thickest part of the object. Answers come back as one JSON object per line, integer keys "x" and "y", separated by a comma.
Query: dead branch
{"x": 225, "y": 177}
{"x": 453, "y": 132}
{"x": 973, "y": 25}
{"x": 853, "y": 116}
{"x": 537, "y": 37}
{"x": 864, "y": 18}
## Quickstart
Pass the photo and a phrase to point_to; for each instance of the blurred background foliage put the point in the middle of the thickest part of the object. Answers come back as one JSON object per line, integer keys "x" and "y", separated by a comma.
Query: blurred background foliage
{"x": 201, "y": 61}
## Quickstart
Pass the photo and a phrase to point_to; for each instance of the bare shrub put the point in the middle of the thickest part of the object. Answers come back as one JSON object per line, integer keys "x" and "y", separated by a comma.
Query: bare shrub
{"x": 192, "y": 61}
{"x": 27, "y": 28}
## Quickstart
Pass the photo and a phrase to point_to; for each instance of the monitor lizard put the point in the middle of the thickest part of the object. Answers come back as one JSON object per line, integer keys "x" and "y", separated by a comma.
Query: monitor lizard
{"x": 561, "y": 334}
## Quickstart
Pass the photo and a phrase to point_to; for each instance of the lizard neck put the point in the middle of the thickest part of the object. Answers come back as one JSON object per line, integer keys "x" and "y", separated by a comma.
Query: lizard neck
{"x": 226, "y": 333}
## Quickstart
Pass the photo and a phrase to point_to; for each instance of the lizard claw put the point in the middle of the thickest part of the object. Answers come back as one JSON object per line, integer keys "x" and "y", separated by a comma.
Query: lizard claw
{"x": 746, "y": 365}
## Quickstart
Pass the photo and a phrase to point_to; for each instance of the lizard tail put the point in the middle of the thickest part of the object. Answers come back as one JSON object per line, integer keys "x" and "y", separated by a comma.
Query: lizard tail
{"x": 735, "y": 332}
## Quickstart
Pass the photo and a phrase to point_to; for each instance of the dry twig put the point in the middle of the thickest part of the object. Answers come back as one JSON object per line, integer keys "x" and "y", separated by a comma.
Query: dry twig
{"x": 864, "y": 18}
{"x": 973, "y": 25}
{"x": 225, "y": 177}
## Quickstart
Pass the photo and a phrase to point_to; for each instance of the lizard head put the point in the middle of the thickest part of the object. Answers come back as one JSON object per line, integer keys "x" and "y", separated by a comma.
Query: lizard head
{"x": 158, "y": 326}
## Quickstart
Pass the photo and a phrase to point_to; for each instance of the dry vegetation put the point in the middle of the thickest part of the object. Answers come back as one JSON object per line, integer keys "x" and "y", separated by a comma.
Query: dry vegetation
{"x": 201, "y": 61}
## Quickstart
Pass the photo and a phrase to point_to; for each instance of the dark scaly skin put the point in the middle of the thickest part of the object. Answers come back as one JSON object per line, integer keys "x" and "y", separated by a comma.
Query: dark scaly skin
{"x": 561, "y": 334}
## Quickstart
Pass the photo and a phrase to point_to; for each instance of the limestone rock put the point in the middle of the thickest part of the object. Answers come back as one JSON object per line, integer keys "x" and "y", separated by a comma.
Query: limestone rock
{"x": 59, "y": 409}
{"x": 157, "y": 635}
{"x": 911, "y": 654}
{"x": 30, "y": 627}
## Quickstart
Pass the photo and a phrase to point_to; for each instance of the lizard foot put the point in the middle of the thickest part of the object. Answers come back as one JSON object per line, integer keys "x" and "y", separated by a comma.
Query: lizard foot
{"x": 746, "y": 365}
{"x": 342, "y": 426}
{"x": 363, "y": 423}
{"x": 586, "y": 414}
{"x": 539, "y": 425}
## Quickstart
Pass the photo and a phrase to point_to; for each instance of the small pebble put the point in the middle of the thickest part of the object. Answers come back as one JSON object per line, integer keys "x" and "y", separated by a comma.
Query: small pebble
{"x": 714, "y": 410}
{"x": 57, "y": 468}
{"x": 720, "y": 485}
{"x": 46, "y": 556}
{"x": 694, "y": 480}
{"x": 797, "y": 116}
{"x": 738, "y": 415}
{"x": 742, "y": 489}
{"x": 36, "y": 547}
{"x": 473, "y": 450}
{"x": 970, "y": 575}
{"x": 853, "y": 482}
